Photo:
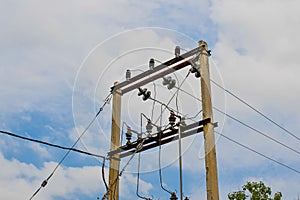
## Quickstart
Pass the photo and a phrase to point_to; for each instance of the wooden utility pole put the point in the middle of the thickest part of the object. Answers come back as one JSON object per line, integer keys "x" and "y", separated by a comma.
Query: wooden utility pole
{"x": 115, "y": 143}
{"x": 209, "y": 137}
{"x": 170, "y": 66}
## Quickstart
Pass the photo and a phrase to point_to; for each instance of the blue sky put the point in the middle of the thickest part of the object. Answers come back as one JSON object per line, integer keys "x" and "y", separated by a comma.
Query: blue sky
{"x": 59, "y": 60}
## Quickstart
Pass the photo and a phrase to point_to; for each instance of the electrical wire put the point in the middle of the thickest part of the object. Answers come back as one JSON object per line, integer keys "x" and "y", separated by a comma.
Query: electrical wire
{"x": 61, "y": 147}
{"x": 154, "y": 88}
{"x": 190, "y": 118}
{"x": 188, "y": 93}
{"x": 260, "y": 132}
{"x": 160, "y": 172}
{"x": 153, "y": 104}
{"x": 166, "y": 107}
{"x": 138, "y": 180}
{"x": 138, "y": 175}
{"x": 122, "y": 133}
{"x": 256, "y": 110}
{"x": 177, "y": 93}
{"x": 141, "y": 120}
{"x": 50, "y": 144}
{"x": 117, "y": 178}
{"x": 172, "y": 96}
{"x": 44, "y": 183}
{"x": 114, "y": 194}
{"x": 196, "y": 115}
{"x": 155, "y": 92}
{"x": 250, "y": 149}
{"x": 252, "y": 128}
{"x": 138, "y": 148}
{"x": 103, "y": 174}
{"x": 183, "y": 49}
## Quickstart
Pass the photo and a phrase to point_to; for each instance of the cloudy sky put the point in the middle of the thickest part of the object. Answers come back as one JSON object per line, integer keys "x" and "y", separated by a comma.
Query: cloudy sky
{"x": 60, "y": 58}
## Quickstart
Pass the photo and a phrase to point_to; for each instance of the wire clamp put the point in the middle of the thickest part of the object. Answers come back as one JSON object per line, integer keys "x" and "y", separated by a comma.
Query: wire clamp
{"x": 44, "y": 183}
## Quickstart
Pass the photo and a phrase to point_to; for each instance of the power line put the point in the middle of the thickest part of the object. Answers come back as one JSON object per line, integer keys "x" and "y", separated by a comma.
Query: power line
{"x": 176, "y": 99}
{"x": 192, "y": 97}
{"x": 246, "y": 147}
{"x": 256, "y": 110}
{"x": 44, "y": 183}
{"x": 50, "y": 144}
{"x": 173, "y": 95}
{"x": 250, "y": 127}
{"x": 166, "y": 107}
{"x": 139, "y": 147}
{"x": 260, "y": 132}
{"x": 187, "y": 93}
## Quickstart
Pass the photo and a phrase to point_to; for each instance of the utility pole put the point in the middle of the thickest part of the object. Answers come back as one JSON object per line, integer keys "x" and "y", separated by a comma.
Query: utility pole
{"x": 162, "y": 137}
{"x": 209, "y": 138}
{"x": 115, "y": 143}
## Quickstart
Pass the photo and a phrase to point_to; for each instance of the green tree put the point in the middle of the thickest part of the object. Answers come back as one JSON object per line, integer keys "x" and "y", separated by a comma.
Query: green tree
{"x": 256, "y": 191}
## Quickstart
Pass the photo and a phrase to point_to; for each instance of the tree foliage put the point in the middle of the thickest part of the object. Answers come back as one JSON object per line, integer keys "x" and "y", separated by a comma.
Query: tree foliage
{"x": 256, "y": 191}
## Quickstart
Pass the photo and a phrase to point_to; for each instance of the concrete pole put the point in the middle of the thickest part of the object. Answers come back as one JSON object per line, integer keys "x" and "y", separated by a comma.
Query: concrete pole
{"x": 115, "y": 143}
{"x": 208, "y": 129}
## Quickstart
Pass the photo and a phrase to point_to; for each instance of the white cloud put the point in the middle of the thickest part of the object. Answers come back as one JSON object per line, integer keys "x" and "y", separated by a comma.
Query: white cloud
{"x": 43, "y": 48}
{"x": 43, "y": 44}
{"x": 40, "y": 150}
{"x": 126, "y": 189}
{"x": 265, "y": 32}
{"x": 67, "y": 182}
{"x": 256, "y": 53}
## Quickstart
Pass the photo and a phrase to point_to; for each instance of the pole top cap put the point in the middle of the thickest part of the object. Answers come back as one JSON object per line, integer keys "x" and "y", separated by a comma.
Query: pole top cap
{"x": 203, "y": 44}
